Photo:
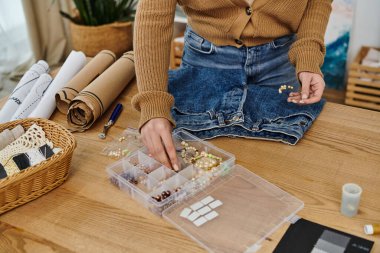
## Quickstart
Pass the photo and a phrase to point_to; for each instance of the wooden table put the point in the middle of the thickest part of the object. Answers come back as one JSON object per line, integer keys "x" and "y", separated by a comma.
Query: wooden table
{"x": 89, "y": 214}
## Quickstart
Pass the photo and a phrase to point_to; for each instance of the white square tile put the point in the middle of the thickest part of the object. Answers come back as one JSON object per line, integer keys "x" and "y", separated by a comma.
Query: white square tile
{"x": 204, "y": 210}
{"x": 196, "y": 206}
{"x": 199, "y": 222}
{"x": 211, "y": 216}
{"x": 193, "y": 216}
{"x": 185, "y": 212}
{"x": 207, "y": 200}
{"x": 215, "y": 204}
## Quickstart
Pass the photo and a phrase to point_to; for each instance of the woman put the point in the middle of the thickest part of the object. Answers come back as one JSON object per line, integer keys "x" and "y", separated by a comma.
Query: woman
{"x": 232, "y": 48}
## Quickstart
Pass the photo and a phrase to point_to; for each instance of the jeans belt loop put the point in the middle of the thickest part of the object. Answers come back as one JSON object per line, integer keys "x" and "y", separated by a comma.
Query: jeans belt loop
{"x": 211, "y": 113}
{"x": 255, "y": 126}
{"x": 221, "y": 119}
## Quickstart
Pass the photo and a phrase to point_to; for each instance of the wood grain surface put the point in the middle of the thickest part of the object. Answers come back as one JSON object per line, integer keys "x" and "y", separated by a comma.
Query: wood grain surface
{"x": 89, "y": 214}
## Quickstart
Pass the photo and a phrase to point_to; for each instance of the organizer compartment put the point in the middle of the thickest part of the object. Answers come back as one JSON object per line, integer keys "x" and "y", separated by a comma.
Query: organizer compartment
{"x": 143, "y": 177}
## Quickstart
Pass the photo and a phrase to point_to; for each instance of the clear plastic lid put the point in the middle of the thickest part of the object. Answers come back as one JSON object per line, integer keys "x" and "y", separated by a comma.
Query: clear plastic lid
{"x": 235, "y": 213}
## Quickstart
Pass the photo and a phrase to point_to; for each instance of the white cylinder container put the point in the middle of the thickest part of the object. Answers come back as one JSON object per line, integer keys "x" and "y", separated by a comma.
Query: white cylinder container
{"x": 351, "y": 194}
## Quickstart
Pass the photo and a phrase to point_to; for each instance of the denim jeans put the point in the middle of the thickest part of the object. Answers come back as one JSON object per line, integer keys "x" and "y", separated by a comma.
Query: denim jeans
{"x": 229, "y": 91}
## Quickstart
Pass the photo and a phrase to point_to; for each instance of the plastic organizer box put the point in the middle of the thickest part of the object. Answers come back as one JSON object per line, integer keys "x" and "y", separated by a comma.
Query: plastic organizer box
{"x": 226, "y": 209}
{"x": 152, "y": 178}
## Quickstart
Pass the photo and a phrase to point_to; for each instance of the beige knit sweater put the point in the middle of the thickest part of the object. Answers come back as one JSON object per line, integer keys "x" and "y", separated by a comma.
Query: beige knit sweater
{"x": 223, "y": 22}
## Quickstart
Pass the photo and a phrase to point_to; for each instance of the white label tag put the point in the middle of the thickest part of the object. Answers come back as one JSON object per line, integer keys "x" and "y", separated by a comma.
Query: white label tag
{"x": 193, "y": 216}
{"x": 211, "y": 216}
{"x": 185, "y": 212}
{"x": 207, "y": 200}
{"x": 200, "y": 221}
{"x": 204, "y": 210}
{"x": 215, "y": 204}
{"x": 196, "y": 206}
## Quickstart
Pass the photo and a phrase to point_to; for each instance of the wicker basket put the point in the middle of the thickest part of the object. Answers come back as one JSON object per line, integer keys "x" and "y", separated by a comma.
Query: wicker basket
{"x": 116, "y": 37}
{"x": 35, "y": 181}
{"x": 363, "y": 88}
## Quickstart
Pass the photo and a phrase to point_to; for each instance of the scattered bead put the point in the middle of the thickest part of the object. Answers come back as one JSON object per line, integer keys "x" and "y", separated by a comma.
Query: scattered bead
{"x": 284, "y": 87}
{"x": 188, "y": 153}
{"x": 130, "y": 178}
{"x": 201, "y": 160}
{"x": 115, "y": 153}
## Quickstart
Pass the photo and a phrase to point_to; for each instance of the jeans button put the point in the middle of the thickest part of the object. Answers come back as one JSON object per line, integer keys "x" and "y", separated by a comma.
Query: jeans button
{"x": 239, "y": 42}
{"x": 248, "y": 10}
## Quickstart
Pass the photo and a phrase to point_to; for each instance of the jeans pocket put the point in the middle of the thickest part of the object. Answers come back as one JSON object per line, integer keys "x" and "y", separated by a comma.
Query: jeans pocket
{"x": 189, "y": 118}
{"x": 299, "y": 120}
{"x": 198, "y": 44}
{"x": 283, "y": 41}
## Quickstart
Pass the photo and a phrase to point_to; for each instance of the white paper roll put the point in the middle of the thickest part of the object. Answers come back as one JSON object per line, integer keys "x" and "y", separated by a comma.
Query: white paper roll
{"x": 22, "y": 90}
{"x": 73, "y": 64}
{"x": 34, "y": 97}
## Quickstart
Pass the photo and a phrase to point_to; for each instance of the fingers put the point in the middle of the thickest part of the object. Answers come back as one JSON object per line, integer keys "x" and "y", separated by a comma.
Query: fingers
{"x": 317, "y": 87}
{"x": 312, "y": 89}
{"x": 170, "y": 149}
{"x": 147, "y": 142}
{"x": 294, "y": 97}
{"x": 315, "y": 97}
{"x": 159, "y": 152}
{"x": 311, "y": 100}
{"x": 294, "y": 94}
{"x": 156, "y": 136}
{"x": 305, "y": 79}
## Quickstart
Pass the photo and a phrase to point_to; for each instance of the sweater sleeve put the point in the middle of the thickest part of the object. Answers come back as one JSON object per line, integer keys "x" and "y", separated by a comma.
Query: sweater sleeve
{"x": 152, "y": 38}
{"x": 308, "y": 51}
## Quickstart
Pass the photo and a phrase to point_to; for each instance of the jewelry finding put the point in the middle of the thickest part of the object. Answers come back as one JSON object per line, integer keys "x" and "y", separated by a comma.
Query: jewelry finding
{"x": 118, "y": 153}
{"x": 203, "y": 160}
{"x": 188, "y": 153}
{"x": 130, "y": 178}
{"x": 162, "y": 196}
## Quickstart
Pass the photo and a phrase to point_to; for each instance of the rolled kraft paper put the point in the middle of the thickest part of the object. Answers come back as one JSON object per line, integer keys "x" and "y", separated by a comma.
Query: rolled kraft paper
{"x": 8, "y": 136}
{"x": 91, "y": 103}
{"x": 73, "y": 64}
{"x": 22, "y": 90}
{"x": 34, "y": 97}
{"x": 92, "y": 70}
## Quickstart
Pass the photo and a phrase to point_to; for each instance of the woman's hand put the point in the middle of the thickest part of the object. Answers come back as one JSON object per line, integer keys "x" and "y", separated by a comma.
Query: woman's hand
{"x": 313, "y": 86}
{"x": 157, "y": 136}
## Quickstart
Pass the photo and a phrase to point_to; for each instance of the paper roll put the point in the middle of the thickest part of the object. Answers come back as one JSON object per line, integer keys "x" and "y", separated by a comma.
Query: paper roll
{"x": 17, "y": 131}
{"x": 22, "y": 90}
{"x": 35, "y": 95}
{"x": 94, "y": 100}
{"x": 8, "y": 136}
{"x": 73, "y": 64}
{"x": 92, "y": 70}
